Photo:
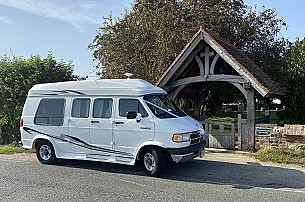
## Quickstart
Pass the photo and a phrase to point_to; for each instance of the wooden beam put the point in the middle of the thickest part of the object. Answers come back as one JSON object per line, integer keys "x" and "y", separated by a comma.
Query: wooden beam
{"x": 180, "y": 61}
{"x": 214, "y": 63}
{"x": 200, "y": 64}
{"x": 187, "y": 62}
{"x": 240, "y": 87}
{"x": 174, "y": 94}
{"x": 215, "y": 77}
{"x": 250, "y": 145}
{"x": 236, "y": 66}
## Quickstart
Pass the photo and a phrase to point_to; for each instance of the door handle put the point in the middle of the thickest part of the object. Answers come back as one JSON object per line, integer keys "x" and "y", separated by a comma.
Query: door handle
{"x": 94, "y": 121}
{"x": 118, "y": 122}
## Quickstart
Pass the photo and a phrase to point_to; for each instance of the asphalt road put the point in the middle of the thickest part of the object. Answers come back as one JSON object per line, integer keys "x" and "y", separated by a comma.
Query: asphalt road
{"x": 217, "y": 177}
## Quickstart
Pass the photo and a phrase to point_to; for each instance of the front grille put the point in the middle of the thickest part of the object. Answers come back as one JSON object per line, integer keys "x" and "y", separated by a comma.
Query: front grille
{"x": 195, "y": 137}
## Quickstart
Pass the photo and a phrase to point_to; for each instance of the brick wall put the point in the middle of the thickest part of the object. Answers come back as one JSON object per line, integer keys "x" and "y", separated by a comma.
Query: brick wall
{"x": 289, "y": 136}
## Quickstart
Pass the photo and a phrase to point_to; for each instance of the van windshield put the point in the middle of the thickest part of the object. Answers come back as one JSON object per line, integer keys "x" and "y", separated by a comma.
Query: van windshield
{"x": 168, "y": 107}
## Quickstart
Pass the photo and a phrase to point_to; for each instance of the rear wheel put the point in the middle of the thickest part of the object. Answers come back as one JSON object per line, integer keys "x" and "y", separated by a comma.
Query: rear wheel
{"x": 45, "y": 152}
{"x": 153, "y": 161}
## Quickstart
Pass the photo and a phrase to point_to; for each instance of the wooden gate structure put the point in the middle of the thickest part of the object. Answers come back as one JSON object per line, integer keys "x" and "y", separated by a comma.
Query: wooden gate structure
{"x": 208, "y": 61}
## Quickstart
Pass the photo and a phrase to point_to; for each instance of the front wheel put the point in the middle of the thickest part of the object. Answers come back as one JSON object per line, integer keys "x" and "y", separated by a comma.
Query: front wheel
{"x": 45, "y": 152}
{"x": 153, "y": 161}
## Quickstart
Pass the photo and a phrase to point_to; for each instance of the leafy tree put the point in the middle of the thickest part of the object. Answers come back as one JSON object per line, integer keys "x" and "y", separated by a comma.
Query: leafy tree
{"x": 147, "y": 39}
{"x": 294, "y": 84}
{"x": 17, "y": 76}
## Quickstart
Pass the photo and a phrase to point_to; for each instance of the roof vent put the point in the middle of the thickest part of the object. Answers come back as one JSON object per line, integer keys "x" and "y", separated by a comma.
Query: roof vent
{"x": 128, "y": 75}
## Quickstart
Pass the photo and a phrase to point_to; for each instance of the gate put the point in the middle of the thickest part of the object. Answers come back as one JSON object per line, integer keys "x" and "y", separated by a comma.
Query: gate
{"x": 226, "y": 140}
{"x": 220, "y": 138}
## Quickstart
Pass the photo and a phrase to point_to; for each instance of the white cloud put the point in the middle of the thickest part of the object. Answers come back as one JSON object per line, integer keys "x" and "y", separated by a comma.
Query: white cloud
{"x": 5, "y": 20}
{"x": 76, "y": 13}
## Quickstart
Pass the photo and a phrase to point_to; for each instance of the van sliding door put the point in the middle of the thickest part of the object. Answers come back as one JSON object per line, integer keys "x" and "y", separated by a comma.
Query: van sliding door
{"x": 101, "y": 127}
{"x": 79, "y": 125}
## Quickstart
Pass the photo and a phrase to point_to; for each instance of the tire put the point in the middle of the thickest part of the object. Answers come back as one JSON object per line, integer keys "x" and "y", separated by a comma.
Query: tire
{"x": 153, "y": 161}
{"x": 45, "y": 152}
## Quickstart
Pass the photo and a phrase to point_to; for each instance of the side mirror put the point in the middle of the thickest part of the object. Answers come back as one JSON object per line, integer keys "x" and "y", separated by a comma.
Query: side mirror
{"x": 131, "y": 115}
{"x": 139, "y": 117}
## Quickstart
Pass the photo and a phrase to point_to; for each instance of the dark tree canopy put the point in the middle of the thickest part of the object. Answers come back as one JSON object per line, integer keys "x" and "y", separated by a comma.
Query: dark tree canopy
{"x": 147, "y": 39}
{"x": 17, "y": 76}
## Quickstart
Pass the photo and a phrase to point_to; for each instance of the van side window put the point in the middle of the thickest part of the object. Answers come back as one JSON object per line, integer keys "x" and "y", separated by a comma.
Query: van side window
{"x": 80, "y": 108}
{"x": 128, "y": 105}
{"x": 102, "y": 108}
{"x": 50, "y": 112}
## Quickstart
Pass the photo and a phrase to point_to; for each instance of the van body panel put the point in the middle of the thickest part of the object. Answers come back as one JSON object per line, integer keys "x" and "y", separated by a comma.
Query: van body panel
{"x": 130, "y": 134}
{"x": 79, "y": 127}
{"x": 166, "y": 128}
{"x": 101, "y": 129}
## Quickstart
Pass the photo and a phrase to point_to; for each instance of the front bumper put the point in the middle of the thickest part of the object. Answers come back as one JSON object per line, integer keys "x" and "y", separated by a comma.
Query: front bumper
{"x": 187, "y": 153}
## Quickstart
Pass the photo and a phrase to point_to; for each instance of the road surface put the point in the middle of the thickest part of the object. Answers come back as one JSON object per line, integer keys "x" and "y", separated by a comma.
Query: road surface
{"x": 216, "y": 177}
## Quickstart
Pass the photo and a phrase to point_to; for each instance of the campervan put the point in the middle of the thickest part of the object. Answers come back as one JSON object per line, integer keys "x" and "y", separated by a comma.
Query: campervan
{"x": 110, "y": 120}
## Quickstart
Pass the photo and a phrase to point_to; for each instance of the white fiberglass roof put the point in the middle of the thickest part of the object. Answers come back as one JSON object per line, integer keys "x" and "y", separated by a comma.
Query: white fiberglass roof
{"x": 122, "y": 87}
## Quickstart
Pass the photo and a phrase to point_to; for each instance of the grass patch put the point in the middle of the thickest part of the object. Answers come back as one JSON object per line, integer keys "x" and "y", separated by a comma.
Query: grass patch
{"x": 289, "y": 156}
{"x": 13, "y": 150}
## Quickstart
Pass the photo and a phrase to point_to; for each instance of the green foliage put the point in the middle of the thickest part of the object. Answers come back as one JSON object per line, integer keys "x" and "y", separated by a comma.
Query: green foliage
{"x": 17, "y": 76}
{"x": 147, "y": 39}
{"x": 10, "y": 150}
{"x": 295, "y": 156}
{"x": 294, "y": 84}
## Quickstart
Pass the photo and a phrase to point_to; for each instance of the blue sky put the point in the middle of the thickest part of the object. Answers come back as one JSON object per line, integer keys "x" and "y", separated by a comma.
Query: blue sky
{"x": 67, "y": 27}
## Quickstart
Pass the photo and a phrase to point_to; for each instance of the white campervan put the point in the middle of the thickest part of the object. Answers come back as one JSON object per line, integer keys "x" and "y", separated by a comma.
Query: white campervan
{"x": 109, "y": 120}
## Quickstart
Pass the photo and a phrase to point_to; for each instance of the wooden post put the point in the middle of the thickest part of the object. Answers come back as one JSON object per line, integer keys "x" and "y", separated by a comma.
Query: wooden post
{"x": 233, "y": 129}
{"x": 250, "y": 119}
{"x": 239, "y": 140}
{"x": 206, "y": 129}
{"x": 267, "y": 108}
{"x": 196, "y": 108}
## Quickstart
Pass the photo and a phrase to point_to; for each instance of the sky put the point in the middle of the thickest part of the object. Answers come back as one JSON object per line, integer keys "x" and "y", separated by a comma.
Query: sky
{"x": 67, "y": 27}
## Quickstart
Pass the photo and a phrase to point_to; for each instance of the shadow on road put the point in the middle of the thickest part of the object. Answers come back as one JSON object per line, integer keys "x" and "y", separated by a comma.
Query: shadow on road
{"x": 239, "y": 176}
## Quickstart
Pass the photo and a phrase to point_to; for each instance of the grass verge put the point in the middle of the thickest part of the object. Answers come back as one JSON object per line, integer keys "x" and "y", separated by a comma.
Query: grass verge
{"x": 289, "y": 156}
{"x": 7, "y": 149}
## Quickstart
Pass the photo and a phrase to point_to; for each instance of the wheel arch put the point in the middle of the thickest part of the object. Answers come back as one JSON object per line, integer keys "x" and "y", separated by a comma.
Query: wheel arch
{"x": 145, "y": 145}
{"x": 42, "y": 138}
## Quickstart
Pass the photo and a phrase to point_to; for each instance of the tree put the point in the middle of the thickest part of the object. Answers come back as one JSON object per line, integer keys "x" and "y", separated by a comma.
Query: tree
{"x": 147, "y": 39}
{"x": 17, "y": 76}
{"x": 294, "y": 84}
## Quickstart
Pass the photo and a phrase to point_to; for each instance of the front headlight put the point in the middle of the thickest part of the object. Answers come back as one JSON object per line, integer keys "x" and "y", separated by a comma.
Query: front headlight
{"x": 181, "y": 137}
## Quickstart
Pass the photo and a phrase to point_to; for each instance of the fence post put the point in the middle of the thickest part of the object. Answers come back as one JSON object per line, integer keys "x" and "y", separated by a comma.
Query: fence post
{"x": 239, "y": 140}
{"x": 233, "y": 130}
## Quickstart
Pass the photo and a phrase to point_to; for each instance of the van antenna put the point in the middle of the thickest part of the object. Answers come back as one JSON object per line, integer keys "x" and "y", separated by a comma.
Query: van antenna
{"x": 128, "y": 75}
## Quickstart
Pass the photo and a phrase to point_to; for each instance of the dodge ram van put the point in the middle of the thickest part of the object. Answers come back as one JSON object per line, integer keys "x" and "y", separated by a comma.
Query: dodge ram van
{"x": 109, "y": 120}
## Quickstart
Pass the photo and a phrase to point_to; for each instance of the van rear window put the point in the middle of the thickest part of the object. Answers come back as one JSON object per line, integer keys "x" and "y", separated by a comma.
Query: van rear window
{"x": 50, "y": 112}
